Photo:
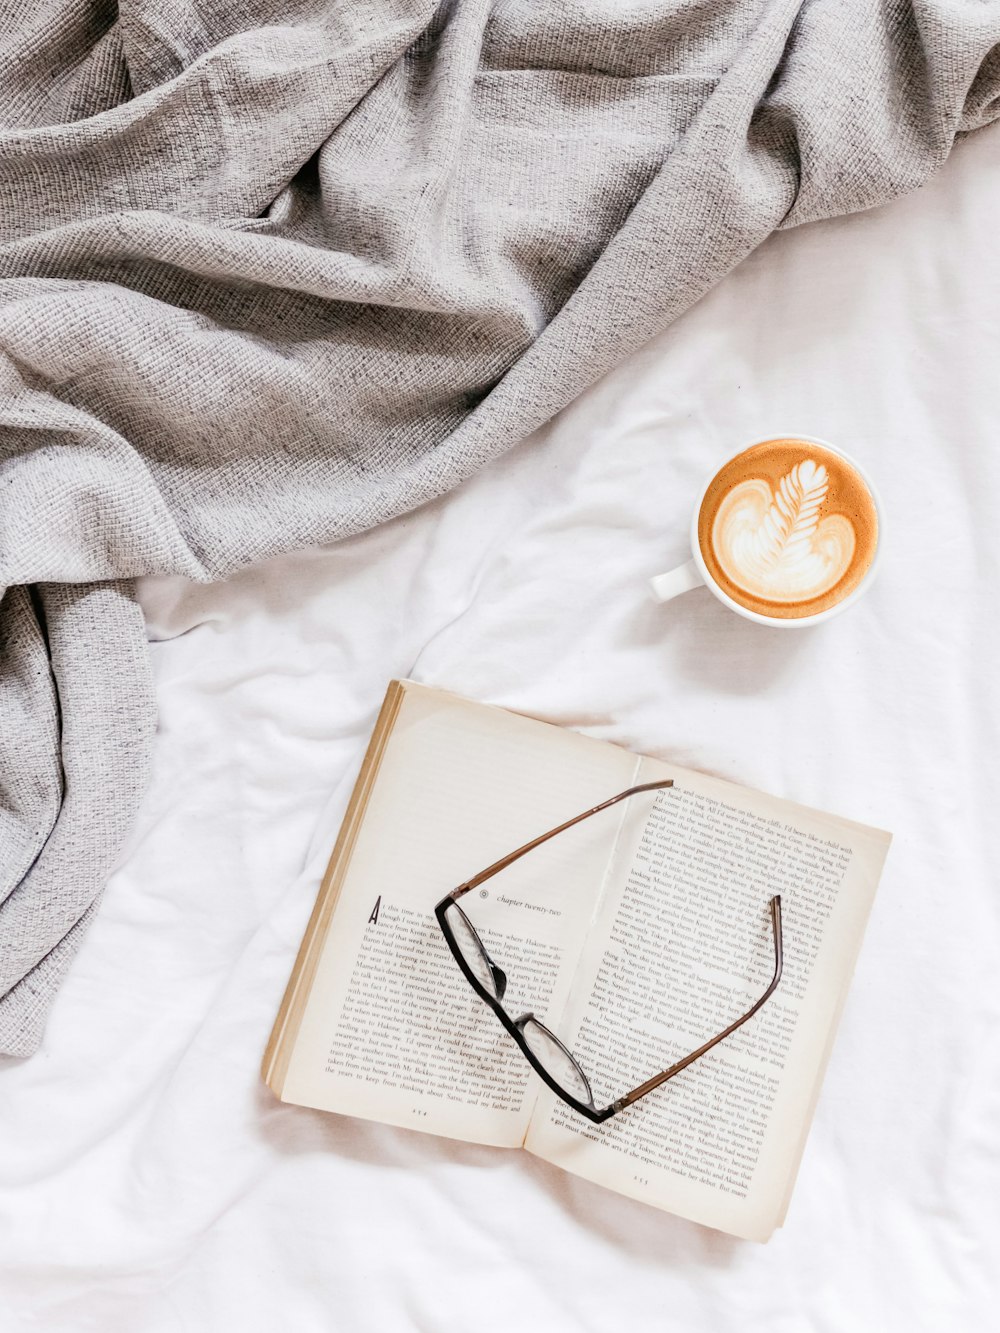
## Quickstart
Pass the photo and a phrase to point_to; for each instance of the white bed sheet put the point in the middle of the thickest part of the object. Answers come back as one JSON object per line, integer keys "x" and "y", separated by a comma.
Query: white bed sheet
{"x": 149, "y": 1183}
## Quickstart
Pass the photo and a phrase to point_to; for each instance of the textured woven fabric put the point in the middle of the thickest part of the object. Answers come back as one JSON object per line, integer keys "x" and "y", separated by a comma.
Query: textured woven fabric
{"x": 272, "y": 273}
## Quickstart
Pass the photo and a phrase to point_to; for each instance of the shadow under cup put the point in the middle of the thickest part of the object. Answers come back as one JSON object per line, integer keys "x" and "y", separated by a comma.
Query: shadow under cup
{"x": 788, "y": 531}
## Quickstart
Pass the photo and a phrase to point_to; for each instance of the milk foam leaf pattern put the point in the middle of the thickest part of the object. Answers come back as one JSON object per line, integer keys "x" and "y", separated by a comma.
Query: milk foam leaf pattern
{"x": 793, "y": 517}
{"x": 776, "y": 544}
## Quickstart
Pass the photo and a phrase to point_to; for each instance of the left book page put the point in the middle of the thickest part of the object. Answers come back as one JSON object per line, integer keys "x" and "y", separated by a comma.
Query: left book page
{"x": 379, "y": 1022}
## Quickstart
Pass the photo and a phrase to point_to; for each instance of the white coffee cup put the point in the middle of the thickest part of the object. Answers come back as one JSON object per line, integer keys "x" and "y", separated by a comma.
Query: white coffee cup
{"x": 695, "y": 573}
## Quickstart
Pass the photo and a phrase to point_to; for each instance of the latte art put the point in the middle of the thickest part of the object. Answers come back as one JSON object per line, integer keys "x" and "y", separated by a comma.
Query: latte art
{"x": 788, "y": 528}
{"x": 776, "y": 545}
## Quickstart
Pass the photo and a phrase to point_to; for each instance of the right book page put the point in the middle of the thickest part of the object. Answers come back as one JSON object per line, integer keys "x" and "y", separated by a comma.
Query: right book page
{"x": 681, "y": 945}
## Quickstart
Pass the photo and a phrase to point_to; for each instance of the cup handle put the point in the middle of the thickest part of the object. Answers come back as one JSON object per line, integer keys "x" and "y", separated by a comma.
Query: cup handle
{"x": 676, "y": 581}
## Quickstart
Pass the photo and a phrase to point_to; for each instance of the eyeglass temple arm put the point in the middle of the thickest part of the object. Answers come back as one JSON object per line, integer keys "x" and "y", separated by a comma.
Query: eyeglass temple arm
{"x": 536, "y": 842}
{"x": 658, "y": 1079}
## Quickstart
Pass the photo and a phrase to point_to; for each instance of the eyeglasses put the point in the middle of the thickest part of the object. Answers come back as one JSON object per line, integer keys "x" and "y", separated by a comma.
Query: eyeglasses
{"x": 543, "y": 1050}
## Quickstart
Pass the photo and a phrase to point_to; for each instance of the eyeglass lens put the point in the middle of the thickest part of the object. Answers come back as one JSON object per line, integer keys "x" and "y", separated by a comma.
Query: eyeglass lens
{"x": 471, "y": 949}
{"x": 557, "y": 1061}
{"x": 547, "y": 1049}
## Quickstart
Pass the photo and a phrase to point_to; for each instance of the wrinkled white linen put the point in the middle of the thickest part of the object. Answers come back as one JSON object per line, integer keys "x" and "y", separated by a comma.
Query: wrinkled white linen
{"x": 149, "y": 1182}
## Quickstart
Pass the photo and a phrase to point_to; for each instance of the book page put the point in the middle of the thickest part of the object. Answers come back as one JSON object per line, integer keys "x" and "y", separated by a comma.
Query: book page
{"x": 392, "y": 1031}
{"x": 682, "y": 946}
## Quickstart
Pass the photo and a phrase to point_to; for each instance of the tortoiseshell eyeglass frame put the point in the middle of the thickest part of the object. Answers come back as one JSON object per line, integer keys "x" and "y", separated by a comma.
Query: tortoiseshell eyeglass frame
{"x": 515, "y": 1026}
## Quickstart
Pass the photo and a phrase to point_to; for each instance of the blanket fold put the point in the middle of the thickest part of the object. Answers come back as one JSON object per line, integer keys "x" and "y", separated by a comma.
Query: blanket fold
{"x": 271, "y": 274}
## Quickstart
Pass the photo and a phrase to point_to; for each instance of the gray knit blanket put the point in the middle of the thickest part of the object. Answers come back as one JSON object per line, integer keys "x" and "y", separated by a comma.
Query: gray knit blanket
{"x": 271, "y": 273}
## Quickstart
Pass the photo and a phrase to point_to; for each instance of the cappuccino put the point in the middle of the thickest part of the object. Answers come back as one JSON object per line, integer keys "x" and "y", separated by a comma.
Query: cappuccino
{"x": 788, "y": 529}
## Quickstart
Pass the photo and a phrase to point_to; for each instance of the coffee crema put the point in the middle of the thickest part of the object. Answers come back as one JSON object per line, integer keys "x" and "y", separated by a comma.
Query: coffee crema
{"x": 788, "y": 529}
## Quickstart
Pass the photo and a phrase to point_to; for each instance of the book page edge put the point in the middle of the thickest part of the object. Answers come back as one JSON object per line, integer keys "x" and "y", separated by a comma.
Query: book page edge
{"x": 278, "y": 1052}
{"x": 834, "y": 1029}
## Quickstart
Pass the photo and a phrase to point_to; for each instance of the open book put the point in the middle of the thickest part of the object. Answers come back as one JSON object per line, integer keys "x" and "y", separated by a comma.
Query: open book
{"x": 635, "y": 936}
